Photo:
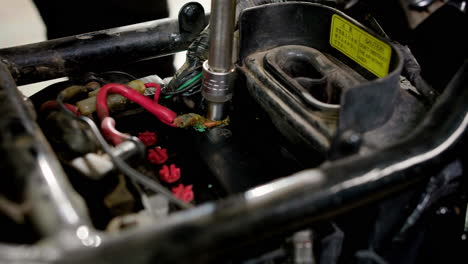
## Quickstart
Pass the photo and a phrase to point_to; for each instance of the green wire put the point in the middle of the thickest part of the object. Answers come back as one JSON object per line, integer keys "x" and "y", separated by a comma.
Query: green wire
{"x": 187, "y": 83}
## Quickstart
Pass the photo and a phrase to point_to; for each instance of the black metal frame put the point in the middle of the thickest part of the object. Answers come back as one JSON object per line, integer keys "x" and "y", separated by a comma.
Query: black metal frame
{"x": 103, "y": 49}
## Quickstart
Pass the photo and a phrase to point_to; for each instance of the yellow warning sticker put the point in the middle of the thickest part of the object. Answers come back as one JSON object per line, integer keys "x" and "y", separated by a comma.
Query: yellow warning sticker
{"x": 370, "y": 52}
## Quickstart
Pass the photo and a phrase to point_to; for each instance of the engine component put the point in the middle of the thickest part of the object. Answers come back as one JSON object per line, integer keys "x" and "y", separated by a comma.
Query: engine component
{"x": 328, "y": 155}
{"x": 302, "y": 81}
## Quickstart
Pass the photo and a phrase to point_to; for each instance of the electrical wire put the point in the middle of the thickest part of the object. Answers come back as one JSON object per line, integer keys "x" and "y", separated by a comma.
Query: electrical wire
{"x": 193, "y": 90}
{"x": 197, "y": 53}
{"x": 190, "y": 88}
{"x": 188, "y": 85}
{"x": 50, "y": 105}
{"x": 189, "y": 82}
{"x": 122, "y": 165}
{"x": 111, "y": 133}
{"x": 108, "y": 123}
{"x": 164, "y": 114}
{"x": 157, "y": 91}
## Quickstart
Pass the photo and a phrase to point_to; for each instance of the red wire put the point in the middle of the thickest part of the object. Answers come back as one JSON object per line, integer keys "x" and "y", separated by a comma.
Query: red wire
{"x": 164, "y": 114}
{"x": 112, "y": 134}
{"x": 157, "y": 92}
{"x": 49, "y": 105}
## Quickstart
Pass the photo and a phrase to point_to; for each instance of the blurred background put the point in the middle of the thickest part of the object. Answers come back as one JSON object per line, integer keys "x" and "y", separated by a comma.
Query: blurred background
{"x": 20, "y": 23}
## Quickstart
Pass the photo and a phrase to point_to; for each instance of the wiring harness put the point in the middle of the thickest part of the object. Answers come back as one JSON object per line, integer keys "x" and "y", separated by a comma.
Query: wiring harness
{"x": 118, "y": 162}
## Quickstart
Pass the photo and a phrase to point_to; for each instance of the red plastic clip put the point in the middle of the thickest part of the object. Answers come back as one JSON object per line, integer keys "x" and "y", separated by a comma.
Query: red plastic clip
{"x": 169, "y": 174}
{"x": 157, "y": 155}
{"x": 148, "y": 138}
{"x": 184, "y": 193}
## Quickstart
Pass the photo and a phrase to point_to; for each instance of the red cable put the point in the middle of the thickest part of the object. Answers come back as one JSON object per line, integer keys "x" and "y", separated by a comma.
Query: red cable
{"x": 157, "y": 91}
{"x": 164, "y": 114}
{"x": 112, "y": 134}
{"x": 49, "y": 105}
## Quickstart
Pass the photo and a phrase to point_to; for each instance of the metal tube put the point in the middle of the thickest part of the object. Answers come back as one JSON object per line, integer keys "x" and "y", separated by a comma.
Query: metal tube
{"x": 215, "y": 111}
{"x": 219, "y": 69}
{"x": 101, "y": 50}
{"x": 221, "y": 35}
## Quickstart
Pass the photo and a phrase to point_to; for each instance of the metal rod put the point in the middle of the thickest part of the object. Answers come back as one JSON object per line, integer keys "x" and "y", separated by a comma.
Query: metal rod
{"x": 215, "y": 111}
{"x": 104, "y": 49}
{"x": 221, "y": 35}
{"x": 219, "y": 69}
